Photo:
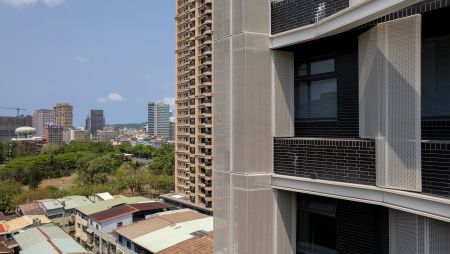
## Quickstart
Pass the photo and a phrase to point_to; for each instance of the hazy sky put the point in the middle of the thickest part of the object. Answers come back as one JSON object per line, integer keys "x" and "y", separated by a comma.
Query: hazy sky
{"x": 114, "y": 55}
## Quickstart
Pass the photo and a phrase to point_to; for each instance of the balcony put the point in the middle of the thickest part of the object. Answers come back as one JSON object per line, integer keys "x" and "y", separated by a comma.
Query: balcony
{"x": 353, "y": 161}
{"x": 344, "y": 160}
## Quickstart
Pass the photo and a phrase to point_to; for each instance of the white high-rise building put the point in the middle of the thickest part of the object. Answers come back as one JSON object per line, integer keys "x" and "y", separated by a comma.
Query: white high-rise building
{"x": 158, "y": 120}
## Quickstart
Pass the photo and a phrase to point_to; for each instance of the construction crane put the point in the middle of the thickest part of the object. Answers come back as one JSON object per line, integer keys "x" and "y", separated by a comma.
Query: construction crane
{"x": 18, "y": 109}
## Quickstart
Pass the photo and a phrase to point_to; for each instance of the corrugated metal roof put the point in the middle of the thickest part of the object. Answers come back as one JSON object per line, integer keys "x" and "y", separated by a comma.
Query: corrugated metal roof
{"x": 103, "y": 205}
{"x": 47, "y": 240}
{"x": 160, "y": 220}
{"x": 31, "y": 209}
{"x": 195, "y": 245}
{"x": 23, "y": 222}
{"x": 105, "y": 195}
{"x": 50, "y": 204}
{"x": 113, "y": 213}
{"x": 71, "y": 202}
{"x": 168, "y": 236}
{"x": 149, "y": 206}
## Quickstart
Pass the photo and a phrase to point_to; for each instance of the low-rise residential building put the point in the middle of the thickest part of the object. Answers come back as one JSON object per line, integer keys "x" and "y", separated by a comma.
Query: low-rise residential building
{"x": 48, "y": 240}
{"x": 80, "y": 135}
{"x": 163, "y": 231}
{"x": 52, "y": 208}
{"x": 83, "y": 221}
{"x": 106, "y": 135}
{"x": 29, "y": 209}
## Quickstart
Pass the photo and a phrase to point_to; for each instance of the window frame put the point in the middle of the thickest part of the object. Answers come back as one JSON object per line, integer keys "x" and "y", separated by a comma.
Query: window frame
{"x": 309, "y": 78}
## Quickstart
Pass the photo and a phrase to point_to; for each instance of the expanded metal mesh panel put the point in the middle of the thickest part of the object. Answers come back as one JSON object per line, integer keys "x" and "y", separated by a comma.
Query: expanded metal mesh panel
{"x": 221, "y": 102}
{"x": 439, "y": 237}
{"x": 251, "y": 214}
{"x": 404, "y": 233}
{"x": 250, "y": 16}
{"x": 221, "y": 18}
{"x": 221, "y": 207}
{"x": 409, "y": 233}
{"x": 251, "y": 132}
{"x": 283, "y": 88}
{"x": 390, "y": 100}
{"x": 258, "y": 105}
{"x": 238, "y": 104}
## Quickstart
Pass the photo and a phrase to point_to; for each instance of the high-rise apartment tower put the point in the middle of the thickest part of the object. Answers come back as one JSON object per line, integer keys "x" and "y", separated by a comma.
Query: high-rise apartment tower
{"x": 63, "y": 113}
{"x": 42, "y": 118}
{"x": 193, "y": 165}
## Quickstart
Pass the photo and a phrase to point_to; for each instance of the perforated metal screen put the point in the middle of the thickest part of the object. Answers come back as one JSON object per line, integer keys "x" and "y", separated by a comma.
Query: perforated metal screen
{"x": 414, "y": 234}
{"x": 389, "y": 67}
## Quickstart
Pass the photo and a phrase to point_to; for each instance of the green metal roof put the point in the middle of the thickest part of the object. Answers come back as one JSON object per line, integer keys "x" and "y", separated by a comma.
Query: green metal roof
{"x": 35, "y": 241}
{"x": 103, "y": 205}
{"x": 75, "y": 201}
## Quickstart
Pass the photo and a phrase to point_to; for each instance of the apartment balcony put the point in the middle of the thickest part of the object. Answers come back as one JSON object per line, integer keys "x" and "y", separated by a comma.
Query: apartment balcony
{"x": 353, "y": 161}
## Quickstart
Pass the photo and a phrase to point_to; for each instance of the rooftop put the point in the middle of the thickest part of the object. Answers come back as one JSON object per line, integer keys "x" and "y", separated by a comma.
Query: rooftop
{"x": 50, "y": 204}
{"x": 113, "y": 213}
{"x": 104, "y": 195}
{"x": 157, "y": 222}
{"x": 72, "y": 202}
{"x": 49, "y": 240}
{"x": 148, "y": 206}
{"x": 184, "y": 201}
{"x": 31, "y": 209}
{"x": 194, "y": 245}
{"x": 171, "y": 235}
{"x": 24, "y": 222}
{"x": 103, "y": 205}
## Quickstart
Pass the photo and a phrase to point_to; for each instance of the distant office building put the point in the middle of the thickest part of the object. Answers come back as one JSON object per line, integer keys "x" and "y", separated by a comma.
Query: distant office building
{"x": 158, "y": 120}
{"x": 172, "y": 128}
{"x": 79, "y": 135}
{"x": 106, "y": 135}
{"x": 95, "y": 121}
{"x": 63, "y": 114}
{"x": 9, "y": 124}
{"x": 41, "y": 119}
{"x": 54, "y": 135}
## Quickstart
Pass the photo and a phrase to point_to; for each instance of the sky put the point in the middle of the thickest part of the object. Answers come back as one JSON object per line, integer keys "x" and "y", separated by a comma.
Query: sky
{"x": 115, "y": 55}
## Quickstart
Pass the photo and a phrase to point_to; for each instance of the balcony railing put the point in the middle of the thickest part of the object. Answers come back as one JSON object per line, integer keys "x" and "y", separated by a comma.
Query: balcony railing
{"x": 344, "y": 160}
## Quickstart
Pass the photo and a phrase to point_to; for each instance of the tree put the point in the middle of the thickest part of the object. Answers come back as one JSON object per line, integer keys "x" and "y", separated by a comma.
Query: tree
{"x": 163, "y": 162}
{"x": 2, "y": 152}
{"x": 8, "y": 190}
{"x": 99, "y": 169}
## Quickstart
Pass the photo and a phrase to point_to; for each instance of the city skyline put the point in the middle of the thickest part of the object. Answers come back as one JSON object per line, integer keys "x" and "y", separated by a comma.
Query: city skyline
{"x": 87, "y": 57}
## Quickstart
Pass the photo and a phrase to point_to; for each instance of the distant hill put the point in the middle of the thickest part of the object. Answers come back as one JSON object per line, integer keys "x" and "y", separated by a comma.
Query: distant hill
{"x": 129, "y": 125}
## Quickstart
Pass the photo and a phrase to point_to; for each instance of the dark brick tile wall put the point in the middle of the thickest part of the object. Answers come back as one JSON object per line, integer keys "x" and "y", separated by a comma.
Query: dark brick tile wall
{"x": 435, "y": 129}
{"x": 290, "y": 14}
{"x": 436, "y": 168}
{"x": 351, "y": 161}
{"x": 421, "y": 7}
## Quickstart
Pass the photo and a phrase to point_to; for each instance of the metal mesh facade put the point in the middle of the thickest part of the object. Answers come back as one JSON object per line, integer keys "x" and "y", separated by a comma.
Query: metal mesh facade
{"x": 409, "y": 233}
{"x": 390, "y": 100}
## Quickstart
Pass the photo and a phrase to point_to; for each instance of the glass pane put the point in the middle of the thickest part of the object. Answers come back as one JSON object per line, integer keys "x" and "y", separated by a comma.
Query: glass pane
{"x": 302, "y": 70}
{"x": 436, "y": 77}
{"x": 316, "y": 100}
{"x": 323, "y": 66}
{"x": 315, "y": 233}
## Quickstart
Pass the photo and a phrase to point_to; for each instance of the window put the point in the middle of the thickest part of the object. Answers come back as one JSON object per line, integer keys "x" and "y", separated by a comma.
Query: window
{"x": 119, "y": 224}
{"x": 129, "y": 245}
{"x": 316, "y": 91}
{"x": 436, "y": 77}
{"x": 316, "y": 225}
